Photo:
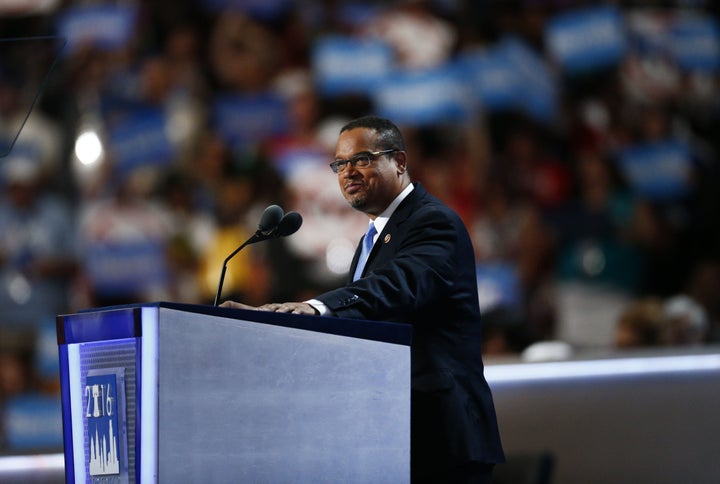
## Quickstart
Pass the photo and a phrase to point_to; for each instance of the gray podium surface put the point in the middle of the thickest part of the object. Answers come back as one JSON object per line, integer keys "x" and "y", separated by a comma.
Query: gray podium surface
{"x": 241, "y": 401}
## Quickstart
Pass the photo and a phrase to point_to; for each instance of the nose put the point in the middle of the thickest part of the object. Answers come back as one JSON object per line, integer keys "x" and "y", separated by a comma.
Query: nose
{"x": 350, "y": 170}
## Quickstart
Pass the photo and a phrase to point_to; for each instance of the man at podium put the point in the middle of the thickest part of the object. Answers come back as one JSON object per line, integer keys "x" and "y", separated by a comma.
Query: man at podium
{"x": 416, "y": 265}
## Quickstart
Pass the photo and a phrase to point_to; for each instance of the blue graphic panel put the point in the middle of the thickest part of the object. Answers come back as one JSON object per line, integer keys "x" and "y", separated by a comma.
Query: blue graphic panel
{"x": 105, "y": 424}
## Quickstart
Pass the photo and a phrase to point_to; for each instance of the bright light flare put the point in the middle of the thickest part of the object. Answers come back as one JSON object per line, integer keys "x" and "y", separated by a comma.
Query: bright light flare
{"x": 88, "y": 148}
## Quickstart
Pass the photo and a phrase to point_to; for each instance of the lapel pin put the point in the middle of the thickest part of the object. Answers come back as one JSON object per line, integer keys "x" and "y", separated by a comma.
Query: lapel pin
{"x": 387, "y": 238}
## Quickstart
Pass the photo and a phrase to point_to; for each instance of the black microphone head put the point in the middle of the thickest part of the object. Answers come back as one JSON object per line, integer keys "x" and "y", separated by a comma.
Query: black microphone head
{"x": 289, "y": 224}
{"x": 270, "y": 219}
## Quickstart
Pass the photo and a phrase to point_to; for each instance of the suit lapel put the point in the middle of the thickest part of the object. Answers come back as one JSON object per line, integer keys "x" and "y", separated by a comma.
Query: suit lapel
{"x": 387, "y": 237}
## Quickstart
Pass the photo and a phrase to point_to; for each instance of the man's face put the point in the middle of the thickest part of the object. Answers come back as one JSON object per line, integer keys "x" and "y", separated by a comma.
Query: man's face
{"x": 372, "y": 188}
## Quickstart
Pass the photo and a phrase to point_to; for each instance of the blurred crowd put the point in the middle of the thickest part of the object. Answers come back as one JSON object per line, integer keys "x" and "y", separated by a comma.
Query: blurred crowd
{"x": 146, "y": 160}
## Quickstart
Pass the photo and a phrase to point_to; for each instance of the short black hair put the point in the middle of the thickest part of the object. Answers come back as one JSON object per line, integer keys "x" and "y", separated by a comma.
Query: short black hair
{"x": 389, "y": 135}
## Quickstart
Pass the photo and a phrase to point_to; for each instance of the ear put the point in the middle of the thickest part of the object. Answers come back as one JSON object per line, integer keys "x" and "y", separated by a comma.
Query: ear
{"x": 401, "y": 162}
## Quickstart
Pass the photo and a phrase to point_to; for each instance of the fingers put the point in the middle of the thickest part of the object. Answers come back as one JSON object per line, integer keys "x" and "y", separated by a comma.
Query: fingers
{"x": 269, "y": 307}
{"x": 278, "y": 307}
{"x": 237, "y": 305}
{"x": 288, "y": 307}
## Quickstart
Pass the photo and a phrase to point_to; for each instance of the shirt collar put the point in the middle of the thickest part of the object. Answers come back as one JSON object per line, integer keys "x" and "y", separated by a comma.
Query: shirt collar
{"x": 382, "y": 219}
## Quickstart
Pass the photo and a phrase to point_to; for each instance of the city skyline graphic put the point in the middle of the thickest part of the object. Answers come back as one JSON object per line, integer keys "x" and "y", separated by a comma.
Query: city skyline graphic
{"x": 104, "y": 459}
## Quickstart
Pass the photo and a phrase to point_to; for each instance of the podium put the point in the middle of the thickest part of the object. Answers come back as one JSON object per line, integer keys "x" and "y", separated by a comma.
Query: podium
{"x": 167, "y": 392}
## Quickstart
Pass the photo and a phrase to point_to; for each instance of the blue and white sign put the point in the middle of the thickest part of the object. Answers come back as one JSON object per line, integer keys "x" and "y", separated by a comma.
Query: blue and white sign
{"x": 511, "y": 76}
{"x": 105, "y": 27}
{"x": 126, "y": 267}
{"x": 31, "y": 422}
{"x": 538, "y": 89}
{"x": 141, "y": 139}
{"x": 492, "y": 78}
{"x": 104, "y": 402}
{"x": 425, "y": 97}
{"x": 247, "y": 119}
{"x": 695, "y": 43}
{"x": 658, "y": 171}
{"x": 586, "y": 39}
{"x": 344, "y": 65}
{"x": 498, "y": 285}
{"x": 293, "y": 160}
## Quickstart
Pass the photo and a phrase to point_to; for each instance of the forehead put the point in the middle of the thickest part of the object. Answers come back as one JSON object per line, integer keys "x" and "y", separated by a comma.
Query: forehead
{"x": 355, "y": 141}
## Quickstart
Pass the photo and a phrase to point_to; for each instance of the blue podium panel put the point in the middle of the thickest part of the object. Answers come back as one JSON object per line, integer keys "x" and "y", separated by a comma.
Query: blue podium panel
{"x": 176, "y": 393}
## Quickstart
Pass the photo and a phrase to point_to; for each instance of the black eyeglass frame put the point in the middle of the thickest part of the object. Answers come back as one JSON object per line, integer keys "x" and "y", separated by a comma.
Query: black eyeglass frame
{"x": 360, "y": 160}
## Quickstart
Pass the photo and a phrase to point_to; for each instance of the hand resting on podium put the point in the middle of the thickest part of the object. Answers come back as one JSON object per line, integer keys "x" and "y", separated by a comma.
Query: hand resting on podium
{"x": 287, "y": 307}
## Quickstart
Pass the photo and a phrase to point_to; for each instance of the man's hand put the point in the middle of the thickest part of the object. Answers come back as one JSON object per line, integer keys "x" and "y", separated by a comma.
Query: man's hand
{"x": 290, "y": 307}
{"x": 237, "y": 305}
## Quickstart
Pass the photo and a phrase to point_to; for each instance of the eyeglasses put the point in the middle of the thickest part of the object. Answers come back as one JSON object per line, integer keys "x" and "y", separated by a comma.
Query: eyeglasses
{"x": 361, "y": 160}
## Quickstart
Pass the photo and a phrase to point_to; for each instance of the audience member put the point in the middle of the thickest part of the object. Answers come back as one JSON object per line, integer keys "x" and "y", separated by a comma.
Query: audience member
{"x": 37, "y": 246}
{"x": 685, "y": 321}
{"x": 641, "y": 325}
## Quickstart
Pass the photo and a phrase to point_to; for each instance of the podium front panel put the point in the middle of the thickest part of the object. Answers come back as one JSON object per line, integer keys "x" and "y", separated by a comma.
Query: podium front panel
{"x": 241, "y": 401}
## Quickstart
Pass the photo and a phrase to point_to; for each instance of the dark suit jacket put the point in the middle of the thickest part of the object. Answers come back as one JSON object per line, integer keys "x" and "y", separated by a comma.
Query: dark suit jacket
{"x": 422, "y": 271}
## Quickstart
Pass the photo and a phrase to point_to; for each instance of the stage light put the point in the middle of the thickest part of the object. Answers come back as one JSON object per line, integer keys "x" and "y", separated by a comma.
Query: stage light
{"x": 88, "y": 148}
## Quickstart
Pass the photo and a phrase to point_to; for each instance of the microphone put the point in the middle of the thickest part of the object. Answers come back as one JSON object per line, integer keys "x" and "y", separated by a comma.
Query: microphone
{"x": 274, "y": 223}
{"x": 289, "y": 224}
{"x": 269, "y": 221}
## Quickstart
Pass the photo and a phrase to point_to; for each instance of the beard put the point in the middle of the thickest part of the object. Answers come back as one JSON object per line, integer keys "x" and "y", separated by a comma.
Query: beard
{"x": 358, "y": 203}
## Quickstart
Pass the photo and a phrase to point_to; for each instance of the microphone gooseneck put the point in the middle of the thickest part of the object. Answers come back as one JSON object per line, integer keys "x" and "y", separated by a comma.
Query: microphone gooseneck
{"x": 274, "y": 223}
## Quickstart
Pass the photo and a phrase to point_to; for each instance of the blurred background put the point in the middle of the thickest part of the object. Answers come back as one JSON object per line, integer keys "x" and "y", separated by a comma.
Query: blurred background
{"x": 576, "y": 139}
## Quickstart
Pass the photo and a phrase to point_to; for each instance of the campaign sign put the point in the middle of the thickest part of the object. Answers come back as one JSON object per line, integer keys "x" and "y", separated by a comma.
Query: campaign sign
{"x": 498, "y": 285}
{"x": 245, "y": 119}
{"x": 290, "y": 161}
{"x": 492, "y": 78}
{"x": 105, "y": 423}
{"x": 695, "y": 43}
{"x": 425, "y": 97}
{"x": 105, "y": 27}
{"x": 343, "y": 65}
{"x": 538, "y": 87}
{"x": 126, "y": 267}
{"x": 586, "y": 39}
{"x": 658, "y": 171}
{"x": 31, "y": 422}
{"x": 141, "y": 139}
